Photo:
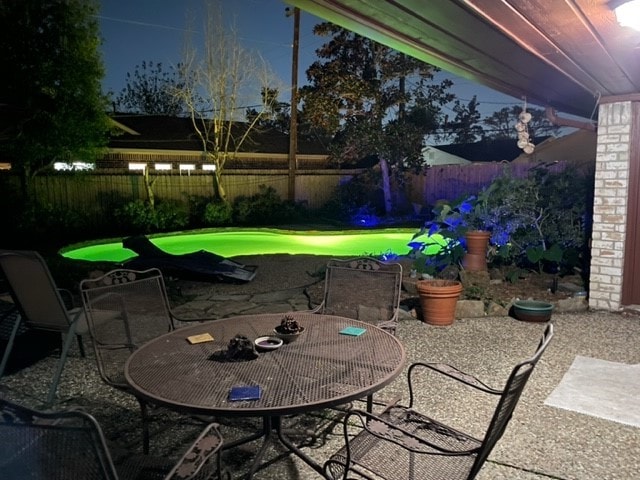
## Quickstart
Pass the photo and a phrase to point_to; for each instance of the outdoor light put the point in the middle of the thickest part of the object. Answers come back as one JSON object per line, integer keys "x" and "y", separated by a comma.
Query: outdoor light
{"x": 186, "y": 167}
{"x": 627, "y": 12}
{"x": 137, "y": 166}
{"x": 162, "y": 166}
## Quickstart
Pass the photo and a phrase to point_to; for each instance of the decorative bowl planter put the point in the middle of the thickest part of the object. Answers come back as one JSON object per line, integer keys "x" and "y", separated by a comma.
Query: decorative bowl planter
{"x": 532, "y": 310}
{"x": 438, "y": 299}
{"x": 288, "y": 337}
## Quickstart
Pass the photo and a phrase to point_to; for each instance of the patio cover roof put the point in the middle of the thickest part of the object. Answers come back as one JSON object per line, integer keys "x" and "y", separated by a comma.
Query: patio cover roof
{"x": 566, "y": 54}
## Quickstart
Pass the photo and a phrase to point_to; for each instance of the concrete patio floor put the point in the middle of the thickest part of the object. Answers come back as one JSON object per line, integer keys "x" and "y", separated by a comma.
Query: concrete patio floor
{"x": 541, "y": 442}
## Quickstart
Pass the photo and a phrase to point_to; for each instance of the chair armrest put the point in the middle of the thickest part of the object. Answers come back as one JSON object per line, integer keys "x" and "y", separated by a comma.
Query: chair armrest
{"x": 451, "y": 372}
{"x": 202, "y": 454}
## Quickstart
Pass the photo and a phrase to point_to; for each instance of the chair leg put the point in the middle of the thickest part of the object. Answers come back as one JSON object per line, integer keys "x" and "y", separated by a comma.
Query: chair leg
{"x": 81, "y": 346}
{"x": 68, "y": 338}
{"x": 12, "y": 337}
{"x": 144, "y": 411}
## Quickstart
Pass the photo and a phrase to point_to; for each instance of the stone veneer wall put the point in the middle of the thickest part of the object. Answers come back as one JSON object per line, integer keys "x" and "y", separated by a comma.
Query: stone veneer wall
{"x": 610, "y": 206}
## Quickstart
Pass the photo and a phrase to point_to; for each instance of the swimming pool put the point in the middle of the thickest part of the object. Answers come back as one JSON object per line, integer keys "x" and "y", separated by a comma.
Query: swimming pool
{"x": 237, "y": 242}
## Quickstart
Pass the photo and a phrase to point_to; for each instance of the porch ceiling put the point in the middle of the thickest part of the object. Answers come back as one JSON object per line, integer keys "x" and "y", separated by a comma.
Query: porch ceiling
{"x": 566, "y": 54}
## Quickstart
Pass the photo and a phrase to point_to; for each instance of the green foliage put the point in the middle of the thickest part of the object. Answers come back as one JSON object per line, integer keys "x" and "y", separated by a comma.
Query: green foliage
{"x": 218, "y": 213}
{"x": 542, "y": 220}
{"x": 140, "y": 217}
{"x": 52, "y": 81}
{"x": 466, "y": 122}
{"x": 358, "y": 196}
{"x": 449, "y": 255}
{"x": 372, "y": 99}
{"x": 537, "y": 255}
{"x": 152, "y": 91}
{"x": 57, "y": 225}
{"x": 265, "y": 208}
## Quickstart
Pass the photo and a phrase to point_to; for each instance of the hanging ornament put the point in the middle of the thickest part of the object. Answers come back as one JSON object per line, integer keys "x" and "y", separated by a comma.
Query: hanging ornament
{"x": 524, "y": 141}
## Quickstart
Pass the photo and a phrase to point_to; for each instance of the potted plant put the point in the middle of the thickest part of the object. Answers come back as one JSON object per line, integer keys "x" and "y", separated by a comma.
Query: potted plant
{"x": 439, "y": 243}
{"x": 289, "y": 329}
{"x": 478, "y": 220}
{"x": 439, "y": 255}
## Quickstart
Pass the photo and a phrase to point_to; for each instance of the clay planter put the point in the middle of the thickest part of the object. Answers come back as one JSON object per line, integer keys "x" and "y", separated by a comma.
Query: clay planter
{"x": 438, "y": 299}
{"x": 475, "y": 259}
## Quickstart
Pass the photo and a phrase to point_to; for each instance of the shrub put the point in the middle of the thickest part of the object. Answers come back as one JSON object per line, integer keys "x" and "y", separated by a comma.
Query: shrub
{"x": 357, "y": 198}
{"x": 49, "y": 225}
{"x": 140, "y": 217}
{"x": 217, "y": 213}
{"x": 266, "y": 208}
{"x": 541, "y": 221}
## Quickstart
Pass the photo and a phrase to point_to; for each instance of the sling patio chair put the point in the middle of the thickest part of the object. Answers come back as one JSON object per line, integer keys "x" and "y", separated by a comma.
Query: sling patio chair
{"x": 402, "y": 443}
{"x": 71, "y": 445}
{"x": 145, "y": 313}
{"x": 364, "y": 289}
{"x": 41, "y": 306}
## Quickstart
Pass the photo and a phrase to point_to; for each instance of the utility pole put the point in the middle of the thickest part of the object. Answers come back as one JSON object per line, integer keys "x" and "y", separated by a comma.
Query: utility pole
{"x": 293, "y": 125}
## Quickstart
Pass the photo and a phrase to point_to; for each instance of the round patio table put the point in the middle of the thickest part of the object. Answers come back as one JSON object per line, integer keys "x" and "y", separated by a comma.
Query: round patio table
{"x": 322, "y": 368}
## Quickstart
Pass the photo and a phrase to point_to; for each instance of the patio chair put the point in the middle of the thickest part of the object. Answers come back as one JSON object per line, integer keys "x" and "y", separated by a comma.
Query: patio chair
{"x": 364, "y": 289}
{"x": 402, "y": 443}
{"x": 40, "y": 306}
{"x": 141, "y": 299}
{"x": 71, "y": 445}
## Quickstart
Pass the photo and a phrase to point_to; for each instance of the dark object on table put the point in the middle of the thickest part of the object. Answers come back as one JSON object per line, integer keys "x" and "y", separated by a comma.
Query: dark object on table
{"x": 71, "y": 444}
{"x": 402, "y": 443}
{"x": 201, "y": 265}
{"x": 238, "y": 394}
{"x": 240, "y": 348}
{"x": 40, "y": 306}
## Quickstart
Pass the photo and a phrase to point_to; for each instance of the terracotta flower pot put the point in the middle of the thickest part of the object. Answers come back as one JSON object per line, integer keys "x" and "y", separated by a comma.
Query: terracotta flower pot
{"x": 438, "y": 299}
{"x": 475, "y": 259}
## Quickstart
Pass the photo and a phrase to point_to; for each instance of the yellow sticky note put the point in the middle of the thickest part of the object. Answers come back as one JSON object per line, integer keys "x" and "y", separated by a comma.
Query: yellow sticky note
{"x": 203, "y": 337}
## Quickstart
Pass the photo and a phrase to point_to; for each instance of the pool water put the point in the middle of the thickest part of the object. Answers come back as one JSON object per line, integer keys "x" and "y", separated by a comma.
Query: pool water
{"x": 237, "y": 242}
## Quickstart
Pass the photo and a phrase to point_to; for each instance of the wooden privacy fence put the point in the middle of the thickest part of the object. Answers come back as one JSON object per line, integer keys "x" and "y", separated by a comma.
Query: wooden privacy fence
{"x": 448, "y": 182}
{"x": 98, "y": 191}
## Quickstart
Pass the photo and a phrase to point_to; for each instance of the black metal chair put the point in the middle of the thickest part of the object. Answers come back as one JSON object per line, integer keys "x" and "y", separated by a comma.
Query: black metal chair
{"x": 365, "y": 289}
{"x": 70, "y": 445}
{"x": 144, "y": 313}
{"x": 402, "y": 443}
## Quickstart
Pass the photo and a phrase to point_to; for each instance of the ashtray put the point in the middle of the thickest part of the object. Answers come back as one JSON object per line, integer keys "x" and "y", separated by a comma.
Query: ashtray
{"x": 268, "y": 343}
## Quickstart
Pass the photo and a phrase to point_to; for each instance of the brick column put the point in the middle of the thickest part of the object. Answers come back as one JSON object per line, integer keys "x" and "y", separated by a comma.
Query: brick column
{"x": 610, "y": 205}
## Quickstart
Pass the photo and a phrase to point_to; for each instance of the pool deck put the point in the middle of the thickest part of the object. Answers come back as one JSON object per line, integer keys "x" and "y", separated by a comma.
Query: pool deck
{"x": 541, "y": 442}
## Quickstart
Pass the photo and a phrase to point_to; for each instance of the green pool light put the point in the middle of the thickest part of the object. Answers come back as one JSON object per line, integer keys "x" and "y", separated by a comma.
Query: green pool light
{"x": 239, "y": 242}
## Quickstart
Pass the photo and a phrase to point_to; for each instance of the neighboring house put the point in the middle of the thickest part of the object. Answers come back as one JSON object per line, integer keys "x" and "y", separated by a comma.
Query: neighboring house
{"x": 484, "y": 151}
{"x": 577, "y": 149}
{"x": 170, "y": 143}
{"x": 434, "y": 156}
